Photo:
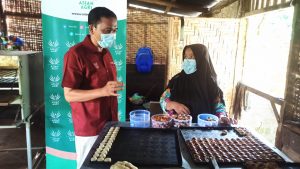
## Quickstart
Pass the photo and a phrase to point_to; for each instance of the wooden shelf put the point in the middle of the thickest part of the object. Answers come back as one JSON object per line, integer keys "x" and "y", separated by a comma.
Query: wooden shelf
{"x": 8, "y": 78}
{"x": 9, "y": 97}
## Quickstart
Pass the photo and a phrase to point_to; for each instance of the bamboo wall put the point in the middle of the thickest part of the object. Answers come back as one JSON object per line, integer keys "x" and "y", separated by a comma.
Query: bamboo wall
{"x": 147, "y": 29}
{"x": 23, "y": 19}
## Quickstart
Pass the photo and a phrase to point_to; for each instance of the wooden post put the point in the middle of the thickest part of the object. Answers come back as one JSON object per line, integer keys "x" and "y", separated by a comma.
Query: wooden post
{"x": 246, "y": 6}
{"x": 292, "y": 70}
{"x": 3, "y": 25}
{"x": 256, "y": 4}
{"x": 263, "y": 4}
{"x": 268, "y": 3}
{"x": 145, "y": 34}
{"x": 252, "y": 5}
{"x": 292, "y": 73}
{"x": 259, "y": 4}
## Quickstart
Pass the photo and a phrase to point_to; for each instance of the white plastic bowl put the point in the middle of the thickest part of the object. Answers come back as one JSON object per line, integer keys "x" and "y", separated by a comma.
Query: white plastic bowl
{"x": 202, "y": 120}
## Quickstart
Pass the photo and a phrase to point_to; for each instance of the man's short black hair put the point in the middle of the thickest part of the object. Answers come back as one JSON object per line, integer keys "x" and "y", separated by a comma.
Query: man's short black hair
{"x": 97, "y": 13}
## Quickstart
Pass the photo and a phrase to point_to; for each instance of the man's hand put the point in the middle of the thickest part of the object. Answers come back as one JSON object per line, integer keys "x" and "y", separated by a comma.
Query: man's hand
{"x": 112, "y": 87}
{"x": 177, "y": 107}
{"x": 78, "y": 95}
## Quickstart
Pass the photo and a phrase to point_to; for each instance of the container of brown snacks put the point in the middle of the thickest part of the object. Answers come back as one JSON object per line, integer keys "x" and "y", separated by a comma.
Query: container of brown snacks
{"x": 228, "y": 145}
{"x": 161, "y": 121}
{"x": 182, "y": 120}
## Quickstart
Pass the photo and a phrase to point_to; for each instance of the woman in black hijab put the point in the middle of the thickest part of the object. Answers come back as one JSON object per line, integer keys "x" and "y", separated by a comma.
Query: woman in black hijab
{"x": 194, "y": 90}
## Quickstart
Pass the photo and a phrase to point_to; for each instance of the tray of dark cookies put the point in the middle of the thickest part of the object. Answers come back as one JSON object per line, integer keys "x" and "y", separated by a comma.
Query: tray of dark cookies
{"x": 228, "y": 145}
{"x": 270, "y": 165}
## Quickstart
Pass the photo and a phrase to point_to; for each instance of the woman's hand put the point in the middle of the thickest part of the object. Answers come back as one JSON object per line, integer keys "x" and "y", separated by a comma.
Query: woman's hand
{"x": 177, "y": 107}
{"x": 226, "y": 120}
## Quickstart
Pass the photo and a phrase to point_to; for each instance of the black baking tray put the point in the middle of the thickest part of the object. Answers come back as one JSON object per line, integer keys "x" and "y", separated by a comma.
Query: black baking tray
{"x": 143, "y": 147}
{"x": 281, "y": 165}
{"x": 188, "y": 133}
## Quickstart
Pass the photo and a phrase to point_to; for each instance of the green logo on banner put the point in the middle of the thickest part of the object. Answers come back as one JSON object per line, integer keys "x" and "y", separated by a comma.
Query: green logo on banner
{"x": 86, "y": 5}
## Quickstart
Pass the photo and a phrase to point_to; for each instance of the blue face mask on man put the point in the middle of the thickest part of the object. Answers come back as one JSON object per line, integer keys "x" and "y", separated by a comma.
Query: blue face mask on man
{"x": 107, "y": 40}
{"x": 189, "y": 66}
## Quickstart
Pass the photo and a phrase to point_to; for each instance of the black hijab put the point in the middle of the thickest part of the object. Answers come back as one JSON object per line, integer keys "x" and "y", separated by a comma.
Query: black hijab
{"x": 199, "y": 90}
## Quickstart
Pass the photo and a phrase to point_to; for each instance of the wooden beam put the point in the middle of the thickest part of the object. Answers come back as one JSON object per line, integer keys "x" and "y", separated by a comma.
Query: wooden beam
{"x": 177, "y": 5}
{"x": 148, "y": 11}
{"x": 275, "y": 111}
{"x": 267, "y": 9}
{"x": 169, "y": 7}
{"x": 219, "y": 6}
{"x": 292, "y": 128}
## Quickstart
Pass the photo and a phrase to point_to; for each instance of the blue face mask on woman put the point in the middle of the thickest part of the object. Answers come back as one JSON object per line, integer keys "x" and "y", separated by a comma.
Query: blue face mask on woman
{"x": 107, "y": 40}
{"x": 189, "y": 66}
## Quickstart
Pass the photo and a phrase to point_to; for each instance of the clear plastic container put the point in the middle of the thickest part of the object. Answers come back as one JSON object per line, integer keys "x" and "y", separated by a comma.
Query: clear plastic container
{"x": 207, "y": 120}
{"x": 182, "y": 120}
{"x": 139, "y": 118}
{"x": 161, "y": 121}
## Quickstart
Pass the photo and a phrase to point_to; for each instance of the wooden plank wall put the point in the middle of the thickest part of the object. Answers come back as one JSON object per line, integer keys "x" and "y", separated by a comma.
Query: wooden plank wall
{"x": 253, "y": 7}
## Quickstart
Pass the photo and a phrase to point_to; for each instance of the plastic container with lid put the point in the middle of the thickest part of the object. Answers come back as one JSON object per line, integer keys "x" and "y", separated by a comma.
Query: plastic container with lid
{"x": 139, "y": 118}
{"x": 207, "y": 120}
{"x": 182, "y": 120}
{"x": 161, "y": 121}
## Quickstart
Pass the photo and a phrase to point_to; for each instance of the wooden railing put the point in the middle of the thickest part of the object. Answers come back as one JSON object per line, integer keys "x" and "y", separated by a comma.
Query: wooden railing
{"x": 273, "y": 100}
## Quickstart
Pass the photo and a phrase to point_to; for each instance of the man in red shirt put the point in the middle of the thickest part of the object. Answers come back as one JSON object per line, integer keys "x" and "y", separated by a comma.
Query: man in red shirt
{"x": 89, "y": 81}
